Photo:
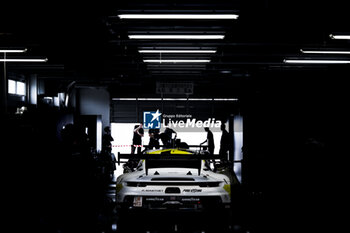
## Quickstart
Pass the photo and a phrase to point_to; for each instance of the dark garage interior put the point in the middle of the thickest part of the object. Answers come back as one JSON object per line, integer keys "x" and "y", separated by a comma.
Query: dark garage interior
{"x": 274, "y": 72}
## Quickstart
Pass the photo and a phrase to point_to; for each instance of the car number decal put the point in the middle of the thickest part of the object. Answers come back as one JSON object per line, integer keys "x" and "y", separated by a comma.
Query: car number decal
{"x": 137, "y": 202}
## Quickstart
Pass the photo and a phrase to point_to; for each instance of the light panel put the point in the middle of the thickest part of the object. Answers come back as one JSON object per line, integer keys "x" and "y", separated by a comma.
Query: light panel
{"x": 20, "y": 88}
{"x": 339, "y": 37}
{"x": 304, "y": 61}
{"x": 22, "y": 60}
{"x": 11, "y": 86}
{"x": 176, "y": 99}
{"x": 199, "y": 99}
{"x": 181, "y": 37}
{"x": 13, "y": 50}
{"x": 175, "y": 61}
{"x": 323, "y": 51}
{"x": 178, "y": 16}
{"x": 177, "y": 51}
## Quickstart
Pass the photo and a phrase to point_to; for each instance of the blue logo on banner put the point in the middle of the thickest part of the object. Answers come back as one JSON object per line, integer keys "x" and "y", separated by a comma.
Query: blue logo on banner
{"x": 151, "y": 120}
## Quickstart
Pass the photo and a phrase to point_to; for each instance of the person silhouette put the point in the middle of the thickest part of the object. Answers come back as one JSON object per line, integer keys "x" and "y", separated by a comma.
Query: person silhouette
{"x": 107, "y": 139}
{"x": 153, "y": 139}
{"x": 137, "y": 139}
{"x": 224, "y": 142}
{"x": 107, "y": 157}
{"x": 209, "y": 140}
{"x": 167, "y": 136}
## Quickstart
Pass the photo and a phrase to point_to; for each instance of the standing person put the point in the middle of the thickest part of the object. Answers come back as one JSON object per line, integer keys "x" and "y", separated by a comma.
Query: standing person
{"x": 209, "y": 140}
{"x": 107, "y": 139}
{"x": 167, "y": 136}
{"x": 153, "y": 139}
{"x": 107, "y": 157}
{"x": 224, "y": 142}
{"x": 137, "y": 139}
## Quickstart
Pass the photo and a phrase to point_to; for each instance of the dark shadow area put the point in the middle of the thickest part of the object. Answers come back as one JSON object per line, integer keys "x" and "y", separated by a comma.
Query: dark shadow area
{"x": 54, "y": 181}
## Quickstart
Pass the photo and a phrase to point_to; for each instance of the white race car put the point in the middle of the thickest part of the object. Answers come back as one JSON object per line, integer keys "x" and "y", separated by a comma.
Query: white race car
{"x": 174, "y": 180}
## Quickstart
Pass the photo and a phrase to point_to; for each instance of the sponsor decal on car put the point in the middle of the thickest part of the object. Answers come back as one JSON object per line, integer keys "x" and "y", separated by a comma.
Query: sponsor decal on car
{"x": 137, "y": 202}
{"x": 153, "y": 190}
{"x": 154, "y": 199}
{"x": 191, "y": 199}
{"x": 192, "y": 190}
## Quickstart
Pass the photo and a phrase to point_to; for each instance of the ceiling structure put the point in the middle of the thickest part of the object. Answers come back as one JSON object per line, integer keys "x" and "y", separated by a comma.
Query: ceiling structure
{"x": 98, "y": 45}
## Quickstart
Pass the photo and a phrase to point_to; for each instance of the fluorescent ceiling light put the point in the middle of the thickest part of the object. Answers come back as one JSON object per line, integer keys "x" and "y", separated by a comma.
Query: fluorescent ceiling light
{"x": 176, "y": 99}
{"x": 129, "y": 99}
{"x": 177, "y": 51}
{"x": 304, "y": 61}
{"x": 149, "y": 99}
{"x": 324, "y": 52}
{"x": 13, "y": 50}
{"x": 199, "y": 99}
{"x": 175, "y": 61}
{"x": 340, "y": 37}
{"x": 23, "y": 60}
{"x": 178, "y": 16}
{"x": 190, "y": 37}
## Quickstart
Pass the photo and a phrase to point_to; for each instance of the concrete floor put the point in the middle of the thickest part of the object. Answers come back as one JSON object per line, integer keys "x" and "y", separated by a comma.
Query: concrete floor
{"x": 96, "y": 213}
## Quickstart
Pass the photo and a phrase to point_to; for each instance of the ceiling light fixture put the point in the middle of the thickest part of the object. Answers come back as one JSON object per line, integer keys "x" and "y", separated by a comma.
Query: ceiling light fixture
{"x": 13, "y": 50}
{"x": 188, "y": 37}
{"x": 199, "y": 99}
{"x": 175, "y": 61}
{"x": 339, "y": 37}
{"x": 304, "y": 61}
{"x": 22, "y": 60}
{"x": 176, "y": 99}
{"x": 324, "y": 51}
{"x": 126, "y": 99}
{"x": 177, "y": 51}
{"x": 178, "y": 16}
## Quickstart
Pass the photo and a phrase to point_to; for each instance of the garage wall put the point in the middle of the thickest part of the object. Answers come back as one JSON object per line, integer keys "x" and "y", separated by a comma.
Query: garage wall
{"x": 95, "y": 101}
{"x": 129, "y": 111}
